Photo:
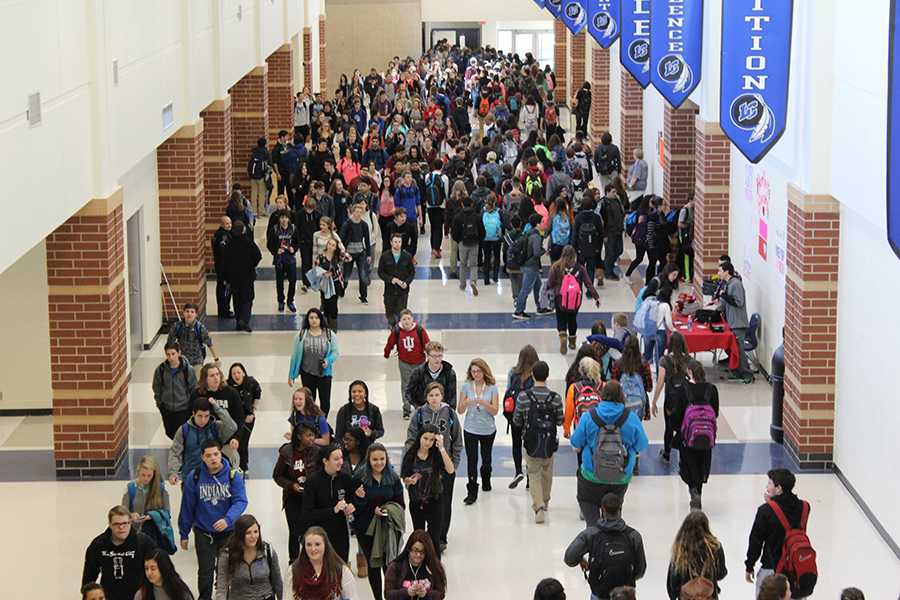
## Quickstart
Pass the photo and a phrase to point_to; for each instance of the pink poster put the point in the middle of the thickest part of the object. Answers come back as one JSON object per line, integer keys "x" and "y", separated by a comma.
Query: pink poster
{"x": 763, "y": 193}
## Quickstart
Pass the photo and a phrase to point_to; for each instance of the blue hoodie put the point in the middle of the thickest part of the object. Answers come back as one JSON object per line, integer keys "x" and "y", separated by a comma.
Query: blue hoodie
{"x": 585, "y": 438}
{"x": 210, "y": 498}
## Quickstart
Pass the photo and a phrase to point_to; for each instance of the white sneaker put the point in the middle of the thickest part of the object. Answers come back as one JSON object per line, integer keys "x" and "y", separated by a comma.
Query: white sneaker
{"x": 540, "y": 515}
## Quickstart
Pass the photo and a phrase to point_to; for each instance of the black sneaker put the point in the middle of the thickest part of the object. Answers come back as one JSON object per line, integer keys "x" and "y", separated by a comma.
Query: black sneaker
{"x": 516, "y": 481}
{"x": 543, "y": 312}
{"x": 363, "y": 300}
{"x": 292, "y": 307}
{"x": 521, "y": 316}
{"x": 281, "y": 307}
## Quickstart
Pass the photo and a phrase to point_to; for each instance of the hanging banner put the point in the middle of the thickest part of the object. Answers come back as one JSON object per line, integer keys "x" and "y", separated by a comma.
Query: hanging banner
{"x": 540, "y": 3}
{"x": 634, "y": 48}
{"x": 603, "y": 20}
{"x": 574, "y": 15}
{"x": 676, "y": 47}
{"x": 555, "y": 7}
{"x": 756, "y": 63}
{"x": 893, "y": 134}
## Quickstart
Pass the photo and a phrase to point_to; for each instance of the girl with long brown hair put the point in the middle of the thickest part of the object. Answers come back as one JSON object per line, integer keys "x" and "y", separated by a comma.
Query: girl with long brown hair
{"x": 248, "y": 566}
{"x": 146, "y": 492}
{"x": 480, "y": 402}
{"x": 695, "y": 460}
{"x": 518, "y": 380}
{"x": 319, "y": 573}
{"x": 673, "y": 370}
{"x": 634, "y": 373}
{"x": 416, "y": 572}
{"x": 567, "y": 299}
{"x": 696, "y": 553}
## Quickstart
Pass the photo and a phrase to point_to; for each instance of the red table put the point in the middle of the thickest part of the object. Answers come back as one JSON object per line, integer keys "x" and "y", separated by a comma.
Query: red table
{"x": 703, "y": 339}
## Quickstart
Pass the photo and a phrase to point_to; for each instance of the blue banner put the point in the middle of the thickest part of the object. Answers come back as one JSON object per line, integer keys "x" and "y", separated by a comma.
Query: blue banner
{"x": 555, "y": 7}
{"x": 676, "y": 47}
{"x": 574, "y": 15}
{"x": 603, "y": 20}
{"x": 893, "y": 137}
{"x": 756, "y": 65}
{"x": 634, "y": 48}
{"x": 540, "y": 3}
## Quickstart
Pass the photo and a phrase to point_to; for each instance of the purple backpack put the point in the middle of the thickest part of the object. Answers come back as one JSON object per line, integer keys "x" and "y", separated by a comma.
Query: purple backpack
{"x": 698, "y": 428}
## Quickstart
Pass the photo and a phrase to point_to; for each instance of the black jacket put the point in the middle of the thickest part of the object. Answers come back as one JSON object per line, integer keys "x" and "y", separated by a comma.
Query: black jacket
{"x": 273, "y": 240}
{"x": 308, "y": 224}
{"x": 220, "y": 240}
{"x": 767, "y": 535}
{"x": 609, "y": 158}
{"x": 241, "y": 257}
{"x": 588, "y": 216}
{"x": 402, "y": 269}
{"x": 584, "y": 541}
{"x": 121, "y": 568}
{"x": 226, "y": 397}
{"x": 321, "y": 492}
{"x": 676, "y": 579}
{"x": 420, "y": 378}
{"x": 348, "y": 418}
{"x": 465, "y": 216}
{"x": 249, "y": 391}
{"x": 409, "y": 233}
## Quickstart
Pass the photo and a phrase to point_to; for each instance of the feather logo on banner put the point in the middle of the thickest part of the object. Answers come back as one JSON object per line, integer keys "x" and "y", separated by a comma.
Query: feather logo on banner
{"x": 673, "y": 69}
{"x": 574, "y": 16}
{"x": 684, "y": 81}
{"x": 749, "y": 112}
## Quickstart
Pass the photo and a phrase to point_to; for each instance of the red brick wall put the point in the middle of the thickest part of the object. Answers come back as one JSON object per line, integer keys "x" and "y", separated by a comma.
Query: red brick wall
{"x": 678, "y": 133}
{"x": 711, "y": 198}
{"x": 217, "y": 165}
{"x": 88, "y": 351}
{"x": 323, "y": 63}
{"x": 280, "y": 80}
{"x": 810, "y": 327}
{"x": 307, "y": 59}
{"x": 249, "y": 120}
{"x": 577, "y": 46}
{"x": 560, "y": 56}
{"x": 182, "y": 218}
{"x": 599, "y": 91}
{"x": 631, "y": 118}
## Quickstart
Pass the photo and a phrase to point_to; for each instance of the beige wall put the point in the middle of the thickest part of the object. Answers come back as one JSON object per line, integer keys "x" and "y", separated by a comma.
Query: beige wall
{"x": 25, "y": 351}
{"x": 367, "y": 33}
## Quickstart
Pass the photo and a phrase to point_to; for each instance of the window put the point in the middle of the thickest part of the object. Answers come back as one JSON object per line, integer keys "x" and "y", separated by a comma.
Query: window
{"x": 539, "y": 42}
{"x": 505, "y": 41}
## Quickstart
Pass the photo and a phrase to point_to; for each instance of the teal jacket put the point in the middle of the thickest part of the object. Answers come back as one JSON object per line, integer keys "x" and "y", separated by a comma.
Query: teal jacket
{"x": 331, "y": 355}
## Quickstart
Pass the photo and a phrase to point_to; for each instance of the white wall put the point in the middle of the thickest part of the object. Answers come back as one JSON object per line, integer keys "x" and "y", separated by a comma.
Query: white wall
{"x": 452, "y": 11}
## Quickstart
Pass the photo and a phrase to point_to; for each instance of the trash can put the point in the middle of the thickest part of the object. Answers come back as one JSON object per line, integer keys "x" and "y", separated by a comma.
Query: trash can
{"x": 776, "y": 429}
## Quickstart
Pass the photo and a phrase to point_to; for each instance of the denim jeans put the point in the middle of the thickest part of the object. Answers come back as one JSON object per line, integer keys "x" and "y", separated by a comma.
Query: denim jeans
{"x": 613, "y": 248}
{"x": 362, "y": 267}
{"x": 531, "y": 282}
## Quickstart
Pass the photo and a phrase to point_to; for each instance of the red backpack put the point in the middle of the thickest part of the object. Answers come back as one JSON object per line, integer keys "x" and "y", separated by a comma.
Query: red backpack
{"x": 798, "y": 559}
{"x": 586, "y": 398}
{"x": 570, "y": 292}
{"x": 484, "y": 107}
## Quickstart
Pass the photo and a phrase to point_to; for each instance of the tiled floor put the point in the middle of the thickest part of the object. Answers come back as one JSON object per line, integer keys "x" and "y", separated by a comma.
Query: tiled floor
{"x": 490, "y": 540}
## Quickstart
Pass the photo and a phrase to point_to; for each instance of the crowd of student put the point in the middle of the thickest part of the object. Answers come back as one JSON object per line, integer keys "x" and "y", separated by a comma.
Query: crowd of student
{"x": 400, "y": 147}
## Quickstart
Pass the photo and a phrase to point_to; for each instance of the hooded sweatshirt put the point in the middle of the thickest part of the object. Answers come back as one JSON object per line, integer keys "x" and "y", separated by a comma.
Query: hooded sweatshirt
{"x": 121, "y": 568}
{"x": 172, "y": 387}
{"x": 584, "y": 541}
{"x": 767, "y": 535}
{"x": 211, "y": 497}
{"x": 585, "y": 438}
{"x": 184, "y": 456}
{"x": 445, "y": 419}
{"x": 321, "y": 493}
{"x": 294, "y": 465}
{"x": 349, "y": 417}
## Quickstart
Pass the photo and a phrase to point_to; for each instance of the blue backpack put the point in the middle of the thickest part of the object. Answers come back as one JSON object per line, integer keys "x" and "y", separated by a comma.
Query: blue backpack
{"x": 635, "y": 394}
{"x": 561, "y": 232}
{"x": 492, "y": 226}
{"x": 645, "y": 318}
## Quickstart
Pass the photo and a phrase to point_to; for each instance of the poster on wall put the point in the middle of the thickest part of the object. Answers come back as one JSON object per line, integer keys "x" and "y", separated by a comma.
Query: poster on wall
{"x": 634, "y": 49}
{"x": 676, "y": 48}
{"x": 603, "y": 20}
{"x": 763, "y": 195}
{"x": 573, "y": 15}
{"x": 755, "y": 75}
{"x": 893, "y": 146}
{"x": 555, "y": 7}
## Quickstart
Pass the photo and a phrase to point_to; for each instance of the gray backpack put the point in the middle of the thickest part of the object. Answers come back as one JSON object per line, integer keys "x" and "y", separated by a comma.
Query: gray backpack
{"x": 610, "y": 455}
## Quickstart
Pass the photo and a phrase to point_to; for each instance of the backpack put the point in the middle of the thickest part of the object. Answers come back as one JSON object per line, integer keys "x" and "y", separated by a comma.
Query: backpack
{"x": 586, "y": 398}
{"x": 231, "y": 473}
{"x": 256, "y": 167}
{"x": 509, "y": 152}
{"x": 492, "y": 225}
{"x": 561, "y": 231}
{"x": 179, "y": 329}
{"x": 588, "y": 236}
{"x": 633, "y": 388}
{"x": 484, "y": 107}
{"x": 698, "y": 588}
{"x": 386, "y": 206}
{"x": 539, "y": 437}
{"x": 645, "y": 317}
{"x": 513, "y": 102}
{"x": 610, "y": 455}
{"x": 611, "y": 562}
{"x": 604, "y": 161}
{"x": 533, "y": 182}
{"x": 570, "y": 292}
{"x": 798, "y": 559}
{"x": 434, "y": 191}
{"x": 698, "y": 427}
{"x": 470, "y": 230}
{"x": 509, "y": 398}
{"x": 516, "y": 250}
{"x": 630, "y": 223}
{"x": 529, "y": 118}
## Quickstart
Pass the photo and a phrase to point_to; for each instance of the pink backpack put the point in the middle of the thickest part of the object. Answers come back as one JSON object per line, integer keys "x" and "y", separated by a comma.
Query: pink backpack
{"x": 570, "y": 293}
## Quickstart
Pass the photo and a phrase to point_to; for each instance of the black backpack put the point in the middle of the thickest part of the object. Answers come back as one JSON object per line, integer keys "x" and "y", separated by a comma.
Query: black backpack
{"x": 539, "y": 438}
{"x": 611, "y": 562}
{"x": 516, "y": 248}
{"x": 256, "y": 167}
{"x": 604, "y": 161}
{"x": 434, "y": 191}
{"x": 588, "y": 237}
{"x": 470, "y": 229}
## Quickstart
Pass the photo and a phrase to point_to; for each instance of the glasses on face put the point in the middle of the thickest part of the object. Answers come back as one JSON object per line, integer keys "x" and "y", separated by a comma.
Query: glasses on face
{"x": 121, "y": 524}
{"x": 436, "y": 356}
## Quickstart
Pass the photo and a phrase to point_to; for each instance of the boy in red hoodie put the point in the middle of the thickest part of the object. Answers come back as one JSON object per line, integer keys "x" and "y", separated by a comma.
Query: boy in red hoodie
{"x": 410, "y": 340}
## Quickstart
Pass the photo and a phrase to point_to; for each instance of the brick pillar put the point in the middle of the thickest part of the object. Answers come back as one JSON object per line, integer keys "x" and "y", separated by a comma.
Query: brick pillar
{"x": 249, "y": 120}
{"x": 631, "y": 118}
{"x": 578, "y": 48}
{"x": 88, "y": 342}
{"x": 307, "y": 59}
{"x": 599, "y": 91}
{"x": 217, "y": 165}
{"x": 182, "y": 218}
{"x": 560, "y": 56}
{"x": 712, "y": 174}
{"x": 280, "y": 80}
{"x": 678, "y": 133}
{"x": 810, "y": 327}
{"x": 323, "y": 63}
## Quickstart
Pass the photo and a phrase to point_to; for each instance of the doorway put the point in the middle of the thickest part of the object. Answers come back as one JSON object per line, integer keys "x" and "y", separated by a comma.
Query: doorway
{"x": 133, "y": 233}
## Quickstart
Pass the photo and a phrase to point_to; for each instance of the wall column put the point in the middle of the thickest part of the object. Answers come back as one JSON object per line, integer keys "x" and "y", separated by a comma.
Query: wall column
{"x": 323, "y": 63}
{"x": 280, "y": 81}
{"x": 810, "y": 327}
{"x": 249, "y": 120}
{"x": 631, "y": 118}
{"x": 307, "y": 60}
{"x": 578, "y": 49}
{"x": 678, "y": 134}
{"x": 182, "y": 218}
{"x": 599, "y": 91}
{"x": 560, "y": 59}
{"x": 217, "y": 165}
{"x": 88, "y": 342}
{"x": 712, "y": 174}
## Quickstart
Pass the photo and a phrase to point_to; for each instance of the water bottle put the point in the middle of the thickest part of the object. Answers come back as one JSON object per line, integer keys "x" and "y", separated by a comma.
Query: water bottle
{"x": 691, "y": 323}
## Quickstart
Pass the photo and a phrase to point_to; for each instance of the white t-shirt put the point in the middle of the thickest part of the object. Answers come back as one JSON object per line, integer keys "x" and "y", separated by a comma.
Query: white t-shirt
{"x": 664, "y": 317}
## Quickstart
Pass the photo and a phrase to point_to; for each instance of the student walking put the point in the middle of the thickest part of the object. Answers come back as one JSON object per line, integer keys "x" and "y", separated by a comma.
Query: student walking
{"x": 519, "y": 379}
{"x": 283, "y": 242}
{"x": 248, "y": 566}
{"x": 539, "y": 411}
{"x": 313, "y": 357}
{"x": 567, "y": 282}
{"x": 615, "y": 551}
{"x": 355, "y": 234}
{"x": 161, "y": 580}
{"x": 319, "y": 572}
{"x": 117, "y": 556}
{"x": 331, "y": 261}
{"x": 173, "y": 382}
{"x": 696, "y": 435}
{"x": 479, "y": 401}
{"x": 531, "y": 270}
{"x": 296, "y": 461}
{"x": 468, "y": 232}
{"x": 609, "y": 439}
{"x": 434, "y": 369}
{"x": 673, "y": 372}
{"x": 426, "y": 465}
{"x": 698, "y": 560}
{"x": 417, "y": 571}
{"x": 148, "y": 502}
{"x": 397, "y": 270}
{"x": 250, "y": 392}
{"x": 359, "y": 413}
{"x": 211, "y": 384}
{"x": 493, "y": 234}
{"x": 635, "y": 377}
{"x": 184, "y": 455}
{"x": 305, "y": 411}
{"x": 192, "y": 337}
{"x": 327, "y": 499}
{"x": 410, "y": 340}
